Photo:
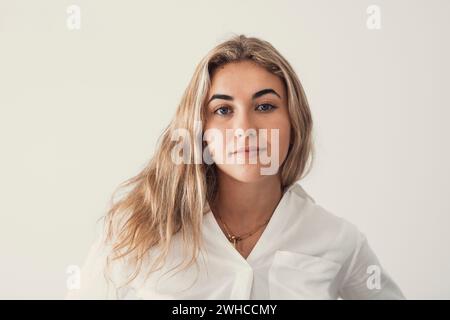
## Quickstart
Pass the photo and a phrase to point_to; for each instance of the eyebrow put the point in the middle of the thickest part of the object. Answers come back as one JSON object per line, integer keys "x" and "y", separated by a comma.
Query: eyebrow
{"x": 255, "y": 95}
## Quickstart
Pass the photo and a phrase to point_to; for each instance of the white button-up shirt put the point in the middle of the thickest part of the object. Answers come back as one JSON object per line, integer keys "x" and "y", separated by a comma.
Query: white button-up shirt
{"x": 305, "y": 252}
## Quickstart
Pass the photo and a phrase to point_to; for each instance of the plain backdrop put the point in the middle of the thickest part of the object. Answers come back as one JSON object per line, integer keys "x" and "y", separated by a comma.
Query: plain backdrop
{"x": 81, "y": 111}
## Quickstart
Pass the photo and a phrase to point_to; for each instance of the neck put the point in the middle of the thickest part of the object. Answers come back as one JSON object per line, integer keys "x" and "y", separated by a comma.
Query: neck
{"x": 244, "y": 206}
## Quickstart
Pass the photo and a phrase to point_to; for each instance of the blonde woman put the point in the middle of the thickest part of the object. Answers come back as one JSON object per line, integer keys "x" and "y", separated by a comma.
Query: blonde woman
{"x": 218, "y": 212}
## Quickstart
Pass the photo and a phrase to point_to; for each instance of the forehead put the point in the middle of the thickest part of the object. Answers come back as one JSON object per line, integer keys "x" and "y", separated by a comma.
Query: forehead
{"x": 244, "y": 78}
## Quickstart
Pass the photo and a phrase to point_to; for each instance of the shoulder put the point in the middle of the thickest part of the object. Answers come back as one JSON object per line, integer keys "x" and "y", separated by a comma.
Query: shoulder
{"x": 319, "y": 240}
{"x": 319, "y": 230}
{"x": 100, "y": 276}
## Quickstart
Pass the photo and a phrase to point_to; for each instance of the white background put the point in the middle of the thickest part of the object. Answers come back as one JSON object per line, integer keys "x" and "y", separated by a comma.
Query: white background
{"x": 80, "y": 111}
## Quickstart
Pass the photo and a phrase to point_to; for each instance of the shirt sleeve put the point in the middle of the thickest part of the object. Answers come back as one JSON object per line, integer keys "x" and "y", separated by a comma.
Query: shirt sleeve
{"x": 366, "y": 279}
{"x": 94, "y": 283}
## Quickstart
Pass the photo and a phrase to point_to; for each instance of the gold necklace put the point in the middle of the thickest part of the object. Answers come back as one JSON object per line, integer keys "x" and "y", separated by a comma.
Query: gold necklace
{"x": 233, "y": 238}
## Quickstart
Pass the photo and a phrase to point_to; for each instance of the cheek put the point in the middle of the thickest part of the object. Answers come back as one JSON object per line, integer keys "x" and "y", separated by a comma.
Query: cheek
{"x": 283, "y": 126}
{"x": 280, "y": 146}
{"x": 215, "y": 140}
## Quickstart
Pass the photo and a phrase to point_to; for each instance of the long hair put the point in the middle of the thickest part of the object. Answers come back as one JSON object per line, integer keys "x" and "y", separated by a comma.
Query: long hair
{"x": 166, "y": 198}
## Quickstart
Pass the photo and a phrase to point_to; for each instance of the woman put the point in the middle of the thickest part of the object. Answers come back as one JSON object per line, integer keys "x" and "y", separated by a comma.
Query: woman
{"x": 234, "y": 225}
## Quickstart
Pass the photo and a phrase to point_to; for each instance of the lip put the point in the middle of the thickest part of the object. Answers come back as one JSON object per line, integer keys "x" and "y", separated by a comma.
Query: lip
{"x": 247, "y": 150}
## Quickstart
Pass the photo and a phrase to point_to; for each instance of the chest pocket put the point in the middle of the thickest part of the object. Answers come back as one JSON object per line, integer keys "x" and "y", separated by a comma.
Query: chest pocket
{"x": 294, "y": 275}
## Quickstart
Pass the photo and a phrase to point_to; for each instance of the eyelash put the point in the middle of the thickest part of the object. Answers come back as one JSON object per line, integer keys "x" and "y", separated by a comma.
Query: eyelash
{"x": 262, "y": 104}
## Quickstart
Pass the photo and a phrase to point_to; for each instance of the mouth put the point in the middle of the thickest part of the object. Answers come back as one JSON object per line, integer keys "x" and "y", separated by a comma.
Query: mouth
{"x": 247, "y": 150}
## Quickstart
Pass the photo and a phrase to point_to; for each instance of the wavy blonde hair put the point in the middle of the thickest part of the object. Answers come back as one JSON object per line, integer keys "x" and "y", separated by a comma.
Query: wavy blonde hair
{"x": 167, "y": 198}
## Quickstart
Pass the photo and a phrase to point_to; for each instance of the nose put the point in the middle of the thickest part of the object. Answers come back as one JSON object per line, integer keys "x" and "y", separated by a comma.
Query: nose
{"x": 244, "y": 126}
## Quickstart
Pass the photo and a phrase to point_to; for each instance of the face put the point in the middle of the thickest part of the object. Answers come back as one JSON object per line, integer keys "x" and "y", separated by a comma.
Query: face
{"x": 247, "y": 125}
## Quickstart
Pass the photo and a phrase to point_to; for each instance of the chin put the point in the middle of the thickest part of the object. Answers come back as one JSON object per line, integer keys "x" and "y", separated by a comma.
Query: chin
{"x": 247, "y": 173}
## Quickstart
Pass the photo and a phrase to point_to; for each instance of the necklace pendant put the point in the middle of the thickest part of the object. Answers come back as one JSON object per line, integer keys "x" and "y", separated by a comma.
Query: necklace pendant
{"x": 233, "y": 239}
{"x": 236, "y": 240}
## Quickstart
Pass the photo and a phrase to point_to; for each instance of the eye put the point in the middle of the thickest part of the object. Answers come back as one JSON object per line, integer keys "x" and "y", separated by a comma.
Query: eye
{"x": 265, "y": 107}
{"x": 222, "y": 111}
